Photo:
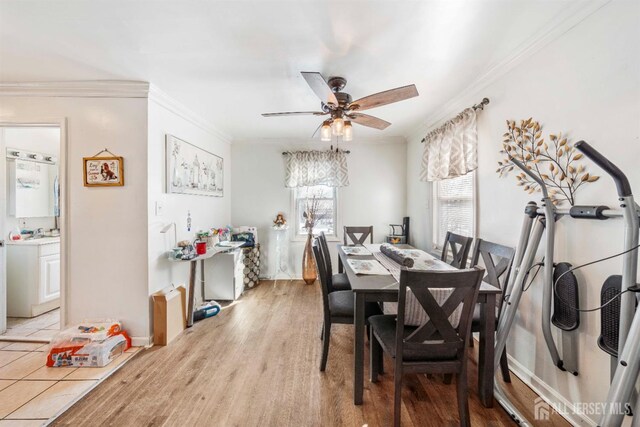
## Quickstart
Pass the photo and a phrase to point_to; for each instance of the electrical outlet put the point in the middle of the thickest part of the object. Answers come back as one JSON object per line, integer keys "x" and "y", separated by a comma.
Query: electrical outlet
{"x": 159, "y": 208}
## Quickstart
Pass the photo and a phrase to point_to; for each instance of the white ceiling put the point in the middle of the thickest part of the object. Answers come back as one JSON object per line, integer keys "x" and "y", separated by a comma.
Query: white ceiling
{"x": 231, "y": 60}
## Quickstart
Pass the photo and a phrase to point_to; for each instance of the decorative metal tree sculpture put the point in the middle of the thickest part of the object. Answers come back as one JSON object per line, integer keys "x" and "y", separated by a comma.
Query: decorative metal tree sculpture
{"x": 556, "y": 162}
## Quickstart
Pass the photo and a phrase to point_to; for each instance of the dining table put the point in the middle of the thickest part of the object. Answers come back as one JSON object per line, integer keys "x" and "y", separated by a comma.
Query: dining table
{"x": 384, "y": 288}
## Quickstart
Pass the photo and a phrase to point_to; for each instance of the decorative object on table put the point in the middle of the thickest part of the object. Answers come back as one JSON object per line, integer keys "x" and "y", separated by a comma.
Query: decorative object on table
{"x": 397, "y": 255}
{"x": 251, "y": 263}
{"x": 554, "y": 162}
{"x": 192, "y": 170}
{"x": 399, "y": 233}
{"x": 342, "y": 110}
{"x": 314, "y": 212}
{"x": 279, "y": 222}
{"x": 103, "y": 171}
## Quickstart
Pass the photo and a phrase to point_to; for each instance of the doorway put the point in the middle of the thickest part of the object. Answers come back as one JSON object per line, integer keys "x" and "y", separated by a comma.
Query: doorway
{"x": 31, "y": 250}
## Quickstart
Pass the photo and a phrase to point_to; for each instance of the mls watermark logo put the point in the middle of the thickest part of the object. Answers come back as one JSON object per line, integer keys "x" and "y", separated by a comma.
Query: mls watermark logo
{"x": 541, "y": 409}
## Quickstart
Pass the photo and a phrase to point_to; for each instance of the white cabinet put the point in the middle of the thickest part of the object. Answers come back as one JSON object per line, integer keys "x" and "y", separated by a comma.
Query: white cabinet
{"x": 49, "y": 277}
{"x": 33, "y": 277}
{"x": 223, "y": 276}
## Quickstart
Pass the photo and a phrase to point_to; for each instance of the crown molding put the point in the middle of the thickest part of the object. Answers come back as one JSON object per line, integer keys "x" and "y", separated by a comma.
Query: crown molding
{"x": 79, "y": 89}
{"x": 162, "y": 99}
{"x": 566, "y": 20}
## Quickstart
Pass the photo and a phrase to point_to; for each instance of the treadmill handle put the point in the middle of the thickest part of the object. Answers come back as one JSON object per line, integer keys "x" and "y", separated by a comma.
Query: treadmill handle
{"x": 624, "y": 188}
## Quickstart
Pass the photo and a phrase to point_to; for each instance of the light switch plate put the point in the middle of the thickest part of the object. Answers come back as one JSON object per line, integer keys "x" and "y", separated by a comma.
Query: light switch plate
{"x": 159, "y": 208}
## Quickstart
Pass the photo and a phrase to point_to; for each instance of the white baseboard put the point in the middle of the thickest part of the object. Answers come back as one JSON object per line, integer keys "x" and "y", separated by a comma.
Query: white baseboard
{"x": 141, "y": 341}
{"x": 548, "y": 394}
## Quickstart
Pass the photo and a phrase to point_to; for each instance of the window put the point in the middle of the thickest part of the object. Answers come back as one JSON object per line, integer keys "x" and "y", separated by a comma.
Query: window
{"x": 326, "y": 199}
{"x": 453, "y": 207}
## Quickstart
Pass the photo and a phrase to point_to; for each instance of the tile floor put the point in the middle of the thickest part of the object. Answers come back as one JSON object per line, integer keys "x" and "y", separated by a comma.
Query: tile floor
{"x": 44, "y": 326}
{"x": 32, "y": 394}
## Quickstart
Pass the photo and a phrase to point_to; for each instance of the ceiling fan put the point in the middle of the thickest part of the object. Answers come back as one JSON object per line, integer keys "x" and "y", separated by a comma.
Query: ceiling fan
{"x": 342, "y": 110}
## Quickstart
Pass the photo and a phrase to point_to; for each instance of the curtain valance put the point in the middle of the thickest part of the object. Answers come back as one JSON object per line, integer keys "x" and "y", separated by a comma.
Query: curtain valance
{"x": 307, "y": 168}
{"x": 452, "y": 149}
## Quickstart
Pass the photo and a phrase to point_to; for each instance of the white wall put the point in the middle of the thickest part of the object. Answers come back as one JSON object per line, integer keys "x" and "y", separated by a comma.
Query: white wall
{"x": 206, "y": 212}
{"x": 376, "y": 196}
{"x": 587, "y": 84}
{"x": 106, "y": 238}
{"x": 45, "y": 140}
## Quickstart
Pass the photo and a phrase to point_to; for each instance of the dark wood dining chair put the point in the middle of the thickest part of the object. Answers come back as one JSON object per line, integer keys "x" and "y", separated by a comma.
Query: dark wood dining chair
{"x": 459, "y": 247}
{"x": 435, "y": 347}
{"x": 351, "y": 235}
{"x": 337, "y": 306}
{"x": 497, "y": 260}
{"x": 336, "y": 282}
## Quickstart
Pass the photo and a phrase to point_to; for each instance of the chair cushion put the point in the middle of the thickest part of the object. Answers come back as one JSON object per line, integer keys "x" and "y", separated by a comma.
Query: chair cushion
{"x": 340, "y": 282}
{"x": 384, "y": 328}
{"x": 341, "y": 305}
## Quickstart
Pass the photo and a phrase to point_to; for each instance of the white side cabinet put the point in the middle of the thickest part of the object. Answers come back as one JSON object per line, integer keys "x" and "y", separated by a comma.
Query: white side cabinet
{"x": 223, "y": 276}
{"x": 33, "y": 277}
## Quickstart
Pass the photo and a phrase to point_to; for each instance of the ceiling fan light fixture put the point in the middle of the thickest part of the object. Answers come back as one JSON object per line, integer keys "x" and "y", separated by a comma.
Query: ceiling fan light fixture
{"x": 348, "y": 131}
{"x": 338, "y": 126}
{"x": 325, "y": 132}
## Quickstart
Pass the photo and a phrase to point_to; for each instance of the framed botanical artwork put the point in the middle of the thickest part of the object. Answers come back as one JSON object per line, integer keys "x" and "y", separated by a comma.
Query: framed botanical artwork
{"x": 103, "y": 171}
{"x": 192, "y": 170}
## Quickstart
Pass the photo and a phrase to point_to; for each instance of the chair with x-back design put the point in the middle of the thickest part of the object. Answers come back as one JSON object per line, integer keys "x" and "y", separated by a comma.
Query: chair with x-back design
{"x": 497, "y": 260}
{"x": 459, "y": 247}
{"x": 437, "y": 346}
{"x": 351, "y": 235}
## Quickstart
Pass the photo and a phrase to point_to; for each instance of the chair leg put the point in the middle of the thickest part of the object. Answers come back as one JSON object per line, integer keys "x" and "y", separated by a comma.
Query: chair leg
{"x": 374, "y": 356}
{"x": 397, "y": 393}
{"x": 447, "y": 378}
{"x": 322, "y": 331}
{"x": 504, "y": 367}
{"x": 326, "y": 329}
{"x": 463, "y": 398}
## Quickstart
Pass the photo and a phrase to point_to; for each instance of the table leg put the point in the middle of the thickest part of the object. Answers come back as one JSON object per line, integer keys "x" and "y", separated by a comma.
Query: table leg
{"x": 487, "y": 342}
{"x": 358, "y": 353}
{"x": 192, "y": 288}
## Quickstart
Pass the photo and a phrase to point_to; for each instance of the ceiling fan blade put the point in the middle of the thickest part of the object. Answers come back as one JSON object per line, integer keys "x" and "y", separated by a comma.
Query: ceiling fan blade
{"x": 383, "y": 98}
{"x": 370, "y": 121}
{"x": 320, "y": 87}
{"x": 295, "y": 113}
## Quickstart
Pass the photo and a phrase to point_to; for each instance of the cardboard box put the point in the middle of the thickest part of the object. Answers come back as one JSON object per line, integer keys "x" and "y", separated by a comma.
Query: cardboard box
{"x": 169, "y": 314}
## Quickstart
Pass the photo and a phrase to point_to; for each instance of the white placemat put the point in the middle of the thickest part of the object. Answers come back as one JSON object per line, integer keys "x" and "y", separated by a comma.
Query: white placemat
{"x": 367, "y": 266}
{"x": 356, "y": 250}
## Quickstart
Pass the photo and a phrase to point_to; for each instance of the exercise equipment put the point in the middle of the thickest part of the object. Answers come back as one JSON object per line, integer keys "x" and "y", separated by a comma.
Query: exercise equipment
{"x": 537, "y": 220}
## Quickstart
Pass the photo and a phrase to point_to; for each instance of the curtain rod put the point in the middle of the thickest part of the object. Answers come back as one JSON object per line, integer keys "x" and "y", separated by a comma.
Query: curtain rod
{"x": 478, "y": 106}
{"x": 284, "y": 153}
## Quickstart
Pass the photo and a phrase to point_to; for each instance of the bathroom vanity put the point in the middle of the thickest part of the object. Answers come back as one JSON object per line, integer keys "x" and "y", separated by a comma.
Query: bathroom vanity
{"x": 33, "y": 276}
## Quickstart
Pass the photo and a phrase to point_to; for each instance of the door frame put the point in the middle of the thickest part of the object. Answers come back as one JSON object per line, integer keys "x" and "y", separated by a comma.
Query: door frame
{"x": 61, "y": 123}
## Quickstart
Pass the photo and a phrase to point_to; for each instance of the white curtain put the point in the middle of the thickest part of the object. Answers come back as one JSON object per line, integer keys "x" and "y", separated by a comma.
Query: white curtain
{"x": 452, "y": 149}
{"x": 307, "y": 168}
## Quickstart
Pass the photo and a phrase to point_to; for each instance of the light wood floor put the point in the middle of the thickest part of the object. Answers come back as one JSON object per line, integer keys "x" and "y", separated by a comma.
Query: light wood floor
{"x": 256, "y": 364}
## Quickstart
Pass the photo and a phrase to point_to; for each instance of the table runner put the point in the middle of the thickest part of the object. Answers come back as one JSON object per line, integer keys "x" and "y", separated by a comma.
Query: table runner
{"x": 414, "y": 313}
